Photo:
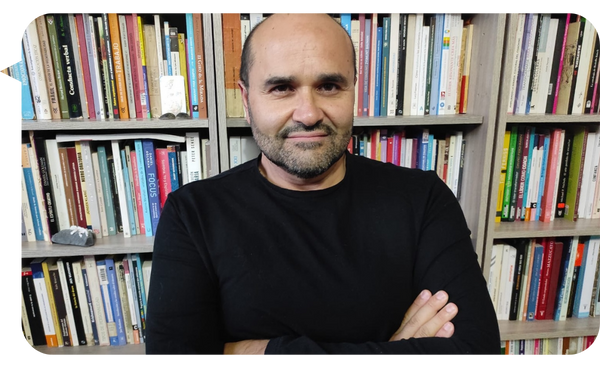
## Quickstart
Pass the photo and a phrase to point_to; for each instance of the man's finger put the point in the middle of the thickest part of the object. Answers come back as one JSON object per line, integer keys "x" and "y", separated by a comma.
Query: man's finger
{"x": 419, "y": 302}
{"x": 419, "y": 319}
{"x": 436, "y": 325}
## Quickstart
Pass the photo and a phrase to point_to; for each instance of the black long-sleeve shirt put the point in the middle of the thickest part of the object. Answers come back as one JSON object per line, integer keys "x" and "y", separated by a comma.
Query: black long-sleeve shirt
{"x": 327, "y": 271}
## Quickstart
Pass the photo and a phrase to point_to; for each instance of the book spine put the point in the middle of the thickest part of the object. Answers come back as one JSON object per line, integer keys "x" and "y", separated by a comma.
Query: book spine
{"x": 94, "y": 67}
{"x": 112, "y": 178}
{"x": 141, "y": 164}
{"x": 31, "y": 192}
{"x": 35, "y": 68}
{"x": 142, "y": 56}
{"x": 141, "y": 292}
{"x": 127, "y": 67}
{"x": 152, "y": 181}
{"x": 97, "y": 299}
{"x": 57, "y": 66}
{"x": 75, "y": 301}
{"x": 46, "y": 57}
{"x": 65, "y": 43}
{"x": 92, "y": 334}
{"x": 137, "y": 80}
{"x": 120, "y": 190}
{"x": 535, "y": 281}
{"x": 84, "y": 63}
{"x": 44, "y": 303}
{"x": 76, "y": 185}
{"x": 116, "y": 54}
{"x": 99, "y": 195}
{"x": 20, "y": 74}
{"x": 107, "y": 191}
{"x": 112, "y": 92}
{"x": 128, "y": 193}
{"x": 137, "y": 187}
{"x": 191, "y": 63}
{"x": 46, "y": 187}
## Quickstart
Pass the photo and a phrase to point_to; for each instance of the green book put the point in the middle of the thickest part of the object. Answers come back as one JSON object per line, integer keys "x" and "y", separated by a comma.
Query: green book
{"x": 575, "y": 171}
{"x": 510, "y": 168}
{"x": 58, "y": 68}
{"x": 107, "y": 191}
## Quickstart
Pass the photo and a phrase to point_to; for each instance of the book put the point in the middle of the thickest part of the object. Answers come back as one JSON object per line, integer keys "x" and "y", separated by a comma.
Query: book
{"x": 84, "y": 64}
{"x": 521, "y": 252}
{"x": 515, "y": 60}
{"x": 153, "y": 68}
{"x": 78, "y": 200}
{"x": 402, "y": 56}
{"x": 119, "y": 187}
{"x": 107, "y": 190}
{"x": 57, "y": 66}
{"x": 68, "y": 56}
{"x": 526, "y": 59}
{"x": 138, "y": 193}
{"x": 456, "y": 26}
{"x": 124, "y": 299}
{"x": 132, "y": 194}
{"x": 589, "y": 165}
{"x": 163, "y": 173}
{"x": 554, "y": 278}
{"x": 32, "y": 308}
{"x": 111, "y": 323}
{"x": 567, "y": 281}
{"x": 566, "y": 77}
{"x": 136, "y": 266}
{"x": 582, "y": 69}
{"x": 141, "y": 166}
{"x": 152, "y": 182}
{"x": 232, "y": 53}
{"x": 97, "y": 299}
{"x": 536, "y": 268}
{"x": 466, "y": 70}
{"x": 593, "y": 76}
{"x": 576, "y": 275}
{"x": 131, "y": 299}
{"x": 583, "y": 295}
{"x": 60, "y": 292}
{"x": 127, "y": 67}
{"x": 34, "y": 207}
{"x": 75, "y": 299}
{"x": 83, "y": 185}
{"x": 35, "y": 68}
{"x": 44, "y": 305}
{"x": 545, "y": 272}
{"x": 19, "y": 72}
{"x": 77, "y": 59}
{"x": 541, "y": 43}
{"x": 103, "y": 60}
{"x": 46, "y": 56}
{"x": 576, "y": 165}
{"x": 506, "y": 281}
{"x": 193, "y": 149}
{"x": 557, "y": 62}
{"x": 42, "y": 174}
{"x": 94, "y": 65}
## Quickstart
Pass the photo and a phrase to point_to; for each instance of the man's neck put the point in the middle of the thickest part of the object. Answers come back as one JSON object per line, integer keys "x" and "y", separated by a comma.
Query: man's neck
{"x": 283, "y": 179}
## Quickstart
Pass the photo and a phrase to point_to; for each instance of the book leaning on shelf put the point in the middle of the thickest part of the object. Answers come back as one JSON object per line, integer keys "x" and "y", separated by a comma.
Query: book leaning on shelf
{"x": 106, "y": 66}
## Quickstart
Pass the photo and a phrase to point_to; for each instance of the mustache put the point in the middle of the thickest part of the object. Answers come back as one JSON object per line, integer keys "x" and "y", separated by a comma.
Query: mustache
{"x": 318, "y": 127}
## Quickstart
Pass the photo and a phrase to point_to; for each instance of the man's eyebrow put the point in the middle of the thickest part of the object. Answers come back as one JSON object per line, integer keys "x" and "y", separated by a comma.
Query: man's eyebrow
{"x": 278, "y": 80}
{"x": 322, "y": 78}
{"x": 333, "y": 78}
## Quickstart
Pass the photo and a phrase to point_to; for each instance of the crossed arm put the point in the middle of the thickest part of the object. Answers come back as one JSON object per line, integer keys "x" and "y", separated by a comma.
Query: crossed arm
{"x": 428, "y": 316}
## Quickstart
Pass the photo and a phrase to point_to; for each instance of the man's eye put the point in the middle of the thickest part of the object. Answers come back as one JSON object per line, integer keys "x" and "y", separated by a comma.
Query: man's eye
{"x": 281, "y": 89}
{"x": 329, "y": 87}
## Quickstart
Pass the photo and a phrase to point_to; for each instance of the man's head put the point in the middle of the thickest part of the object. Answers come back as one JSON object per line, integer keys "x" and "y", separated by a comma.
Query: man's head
{"x": 298, "y": 91}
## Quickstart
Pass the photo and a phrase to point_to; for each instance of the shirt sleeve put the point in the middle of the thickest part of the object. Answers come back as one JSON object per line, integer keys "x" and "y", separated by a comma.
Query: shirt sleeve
{"x": 446, "y": 261}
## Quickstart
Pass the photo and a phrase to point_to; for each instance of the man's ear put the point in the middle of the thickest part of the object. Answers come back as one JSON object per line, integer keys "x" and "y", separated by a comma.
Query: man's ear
{"x": 244, "y": 91}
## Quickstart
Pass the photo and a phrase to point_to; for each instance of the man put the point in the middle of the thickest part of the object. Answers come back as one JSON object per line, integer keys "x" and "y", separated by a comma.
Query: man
{"x": 309, "y": 249}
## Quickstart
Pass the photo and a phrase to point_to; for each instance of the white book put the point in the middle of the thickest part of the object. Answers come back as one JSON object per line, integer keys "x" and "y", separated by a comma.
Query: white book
{"x": 35, "y": 69}
{"x": 245, "y": 27}
{"x": 255, "y": 18}
{"x": 146, "y": 270}
{"x": 355, "y": 37}
{"x": 456, "y": 27}
{"x": 41, "y": 292}
{"x": 38, "y": 191}
{"x": 410, "y": 58}
{"x": 403, "y": 151}
{"x": 585, "y": 64}
{"x": 592, "y": 184}
{"x": 127, "y": 65}
{"x": 58, "y": 186}
{"x": 534, "y": 180}
{"x": 422, "y": 85}
{"x": 95, "y": 73}
{"x": 84, "y": 305}
{"x": 97, "y": 302}
{"x": 451, "y": 158}
{"x": 516, "y": 57}
{"x": 205, "y": 144}
{"x": 91, "y": 190}
{"x": 586, "y": 177}
{"x": 596, "y": 200}
{"x": 184, "y": 170}
{"x": 509, "y": 256}
{"x": 235, "y": 153}
{"x": 99, "y": 194}
{"x": 456, "y": 165}
{"x": 116, "y": 151}
{"x": 444, "y": 65}
{"x": 494, "y": 276}
{"x": 194, "y": 159}
{"x": 393, "y": 64}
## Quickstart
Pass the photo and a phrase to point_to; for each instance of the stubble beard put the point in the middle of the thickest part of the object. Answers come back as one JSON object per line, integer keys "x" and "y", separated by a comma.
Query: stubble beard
{"x": 305, "y": 160}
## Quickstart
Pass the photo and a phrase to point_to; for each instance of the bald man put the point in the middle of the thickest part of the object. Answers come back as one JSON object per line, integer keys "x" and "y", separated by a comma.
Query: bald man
{"x": 307, "y": 248}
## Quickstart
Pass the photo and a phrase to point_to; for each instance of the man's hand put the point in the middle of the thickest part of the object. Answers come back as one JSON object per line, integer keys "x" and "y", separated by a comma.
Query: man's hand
{"x": 256, "y": 347}
{"x": 428, "y": 316}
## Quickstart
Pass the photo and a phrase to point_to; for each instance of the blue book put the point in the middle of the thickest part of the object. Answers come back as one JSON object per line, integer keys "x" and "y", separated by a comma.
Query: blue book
{"x": 533, "y": 141}
{"x": 115, "y": 301}
{"x": 109, "y": 208}
{"x": 152, "y": 182}
{"x": 20, "y": 73}
{"x": 191, "y": 59}
{"x": 563, "y": 277}
{"x": 88, "y": 298}
{"x": 128, "y": 198}
{"x": 361, "y": 149}
{"x": 167, "y": 45}
{"x": 143, "y": 187}
{"x": 430, "y": 152}
{"x": 423, "y": 141}
{"x": 378, "y": 55}
{"x": 543, "y": 175}
{"x": 345, "y": 21}
{"x": 536, "y": 269}
{"x": 436, "y": 64}
{"x": 385, "y": 66}
{"x": 579, "y": 285}
{"x": 173, "y": 167}
{"x": 31, "y": 194}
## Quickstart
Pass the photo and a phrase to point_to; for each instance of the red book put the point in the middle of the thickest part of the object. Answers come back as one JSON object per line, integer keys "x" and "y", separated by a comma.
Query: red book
{"x": 361, "y": 63}
{"x": 553, "y": 284}
{"x": 76, "y": 183}
{"x": 543, "y": 292}
{"x": 133, "y": 41}
{"x": 374, "y": 142}
{"x": 85, "y": 66}
{"x": 415, "y": 151}
{"x": 162, "y": 169}
{"x": 390, "y": 149}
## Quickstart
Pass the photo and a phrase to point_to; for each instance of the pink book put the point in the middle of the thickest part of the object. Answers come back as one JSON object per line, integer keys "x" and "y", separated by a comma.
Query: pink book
{"x": 396, "y": 149}
{"x": 136, "y": 63}
{"x": 138, "y": 196}
{"x": 547, "y": 200}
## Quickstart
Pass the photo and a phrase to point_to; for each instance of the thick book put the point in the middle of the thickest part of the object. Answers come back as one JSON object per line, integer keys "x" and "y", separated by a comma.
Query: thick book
{"x": 554, "y": 278}
{"x": 57, "y": 184}
{"x": 109, "y": 311}
{"x": 515, "y": 58}
{"x": 576, "y": 275}
{"x": 582, "y": 69}
{"x": 546, "y": 270}
{"x": 127, "y": 67}
{"x": 564, "y": 175}
{"x": 87, "y": 308}
{"x": 34, "y": 207}
{"x": 565, "y": 277}
{"x": 521, "y": 247}
{"x": 94, "y": 67}
{"x": 593, "y": 77}
{"x": 507, "y": 274}
{"x": 527, "y": 48}
{"x": 163, "y": 173}
{"x": 557, "y": 62}
{"x": 546, "y": 207}
{"x": 83, "y": 185}
{"x": 137, "y": 76}
{"x": 152, "y": 69}
{"x": 91, "y": 190}
{"x": 123, "y": 298}
{"x": 78, "y": 199}
{"x": 137, "y": 188}
{"x": 402, "y": 55}
{"x": 77, "y": 59}
{"x": 61, "y": 302}
{"x": 131, "y": 299}
{"x": 107, "y": 88}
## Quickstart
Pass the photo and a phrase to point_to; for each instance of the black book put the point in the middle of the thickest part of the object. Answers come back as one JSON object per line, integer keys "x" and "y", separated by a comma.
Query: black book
{"x": 583, "y": 24}
{"x": 112, "y": 82}
{"x": 47, "y": 192}
{"x": 558, "y": 49}
{"x": 432, "y": 25}
{"x": 522, "y": 246}
{"x": 535, "y": 62}
{"x": 115, "y": 193}
{"x": 564, "y": 175}
{"x": 32, "y": 307}
{"x": 67, "y": 53}
{"x": 401, "y": 65}
{"x": 75, "y": 300}
{"x": 592, "y": 79}
{"x": 59, "y": 301}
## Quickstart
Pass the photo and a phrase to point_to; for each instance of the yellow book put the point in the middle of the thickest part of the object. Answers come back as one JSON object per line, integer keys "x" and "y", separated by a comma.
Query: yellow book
{"x": 52, "y": 302}
{"x": 503, "y": 165}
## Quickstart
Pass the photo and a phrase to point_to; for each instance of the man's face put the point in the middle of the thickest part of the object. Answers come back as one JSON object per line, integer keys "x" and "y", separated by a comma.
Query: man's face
{"x": 301, "y": 93}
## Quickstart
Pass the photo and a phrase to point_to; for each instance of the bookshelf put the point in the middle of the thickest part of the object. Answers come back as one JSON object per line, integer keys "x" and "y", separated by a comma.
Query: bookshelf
{"x": 559, "y": 227}
{"x": 119, "y": 244}
{"x": 478, "y": 124}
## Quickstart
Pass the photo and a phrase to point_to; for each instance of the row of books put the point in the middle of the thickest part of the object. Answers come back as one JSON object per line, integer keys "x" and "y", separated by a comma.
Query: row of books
{"x": 549, "y": 173}
{"x": 85, "y": 300}
{"x": 113, "y": 183}
{"x": 545, "y": 278}
{"x": 547, "y": 346}
{"x": 419, "y": 148}
{"x": 554, "y": 67}
{"x": 407, "y": 64}
{"x": 112, "y": 66}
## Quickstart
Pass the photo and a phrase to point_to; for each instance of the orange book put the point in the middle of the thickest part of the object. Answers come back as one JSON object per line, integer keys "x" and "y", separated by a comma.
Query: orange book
{"x": 232, "y": 55}
{"x": 117, "y": 56}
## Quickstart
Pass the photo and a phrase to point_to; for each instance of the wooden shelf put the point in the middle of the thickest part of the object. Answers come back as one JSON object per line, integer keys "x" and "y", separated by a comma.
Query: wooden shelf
{"x": 115, "y": 244}
{"x": 129, "y": 349}
{"x": 523, "y": 330}
{"x": 539, "y": 229}
{"x": 553, "y": 119}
